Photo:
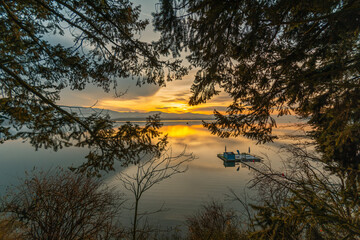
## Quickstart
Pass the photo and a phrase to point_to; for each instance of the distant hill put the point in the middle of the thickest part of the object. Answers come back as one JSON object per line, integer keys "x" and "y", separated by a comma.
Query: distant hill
{"x": 138, "y": 116}
{"x": 122, "y": 116}
{"x": 133, "y": 116}
{"x": 163, "y": 116}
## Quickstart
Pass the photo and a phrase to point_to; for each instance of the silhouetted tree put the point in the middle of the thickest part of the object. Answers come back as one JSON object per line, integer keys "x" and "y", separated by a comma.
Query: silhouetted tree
{"x": 302, "y": 201}
{"x": 277, "y": 58}
{"x": 63, "y": 205}
{"x": 214, "y": 222}
{"x": 34, "y": 69}
{"x": 273, "y": 57}
{"x": 149, "y": 171}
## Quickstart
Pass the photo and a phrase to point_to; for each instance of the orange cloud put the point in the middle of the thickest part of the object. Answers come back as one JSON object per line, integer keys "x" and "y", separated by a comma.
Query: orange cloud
{"x": 171, "y": 99}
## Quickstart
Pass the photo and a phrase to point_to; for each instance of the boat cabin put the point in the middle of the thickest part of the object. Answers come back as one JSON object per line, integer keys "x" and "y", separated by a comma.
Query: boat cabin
{"x": 229, "y": 155}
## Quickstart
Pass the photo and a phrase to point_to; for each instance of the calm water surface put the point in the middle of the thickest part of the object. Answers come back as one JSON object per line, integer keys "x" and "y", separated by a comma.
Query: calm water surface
{"x": 206, "y": 179}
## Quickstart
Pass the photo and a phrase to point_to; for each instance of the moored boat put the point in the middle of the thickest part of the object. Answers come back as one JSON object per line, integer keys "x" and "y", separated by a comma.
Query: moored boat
{"x": 239, "y": 157}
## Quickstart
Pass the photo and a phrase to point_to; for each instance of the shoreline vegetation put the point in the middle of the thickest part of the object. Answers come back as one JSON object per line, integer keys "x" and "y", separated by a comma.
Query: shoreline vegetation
{"x": 46, "y": 193}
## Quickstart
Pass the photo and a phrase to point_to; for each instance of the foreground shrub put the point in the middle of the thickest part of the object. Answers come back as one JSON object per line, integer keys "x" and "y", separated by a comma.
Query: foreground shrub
{"x": 213, "y": 222}
{"x": 63, "y": 205}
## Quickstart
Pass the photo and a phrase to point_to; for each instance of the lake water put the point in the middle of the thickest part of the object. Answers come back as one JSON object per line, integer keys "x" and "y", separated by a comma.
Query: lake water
{"x": 206, "y": 179}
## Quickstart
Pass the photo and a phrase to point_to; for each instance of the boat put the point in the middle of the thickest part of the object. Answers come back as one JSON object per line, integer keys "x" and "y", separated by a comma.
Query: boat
{"x": 239, "y": 157}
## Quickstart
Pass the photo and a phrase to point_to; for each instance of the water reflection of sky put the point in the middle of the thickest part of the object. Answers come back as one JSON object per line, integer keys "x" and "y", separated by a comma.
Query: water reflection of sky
{"x": 206, "y": 179}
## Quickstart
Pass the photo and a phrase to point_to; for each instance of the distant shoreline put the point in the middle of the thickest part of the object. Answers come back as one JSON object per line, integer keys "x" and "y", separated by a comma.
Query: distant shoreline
{"x": 162, "y": 119}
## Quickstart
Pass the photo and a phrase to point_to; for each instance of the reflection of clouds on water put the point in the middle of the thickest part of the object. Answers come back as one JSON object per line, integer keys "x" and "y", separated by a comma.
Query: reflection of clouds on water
{"x": 207, "y": 176}
{"x": 205, "y": 145}
{"x": 184, "y": 193}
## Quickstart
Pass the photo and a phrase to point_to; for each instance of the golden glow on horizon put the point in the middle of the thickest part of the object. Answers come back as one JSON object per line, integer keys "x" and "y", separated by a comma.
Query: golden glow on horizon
{"x": 176, "y": 107}
{"x": 148, "y": 104}
{"x": 192, "y": 132}
{"x": 181, "y": 131}
{"x": 170, "y": 99}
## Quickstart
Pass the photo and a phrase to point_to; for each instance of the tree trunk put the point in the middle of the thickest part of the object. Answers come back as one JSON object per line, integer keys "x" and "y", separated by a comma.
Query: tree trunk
{"x": 135, "y": 219}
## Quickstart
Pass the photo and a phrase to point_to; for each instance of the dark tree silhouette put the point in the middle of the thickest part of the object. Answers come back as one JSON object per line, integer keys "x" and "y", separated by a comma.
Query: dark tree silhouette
{"x": 273, "y": 58}
{"x": 63, "y": 205}
{"x": 151, "y": 170}
{"x": 215, "y": 222}
{"x": 33, "y": 71}
{"x": 302, "y": 201}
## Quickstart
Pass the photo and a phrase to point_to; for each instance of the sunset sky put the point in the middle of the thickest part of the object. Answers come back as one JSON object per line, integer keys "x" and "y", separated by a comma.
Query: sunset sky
{"x": 173, "y": 98}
